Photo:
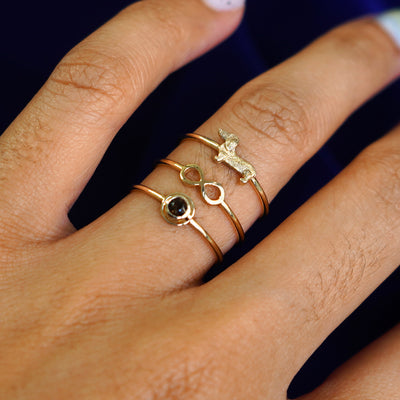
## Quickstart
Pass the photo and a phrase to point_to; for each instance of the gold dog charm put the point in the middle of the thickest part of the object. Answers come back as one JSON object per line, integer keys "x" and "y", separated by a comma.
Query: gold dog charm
{"x": 227, "y": 154}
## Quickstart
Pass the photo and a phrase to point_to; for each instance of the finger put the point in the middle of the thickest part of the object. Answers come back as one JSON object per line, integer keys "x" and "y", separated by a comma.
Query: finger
{"x": 324, "y": 260}
{"x": 51, "y": 150}
{"x": 373, "y": 374}
{"x": 281, "y": 118}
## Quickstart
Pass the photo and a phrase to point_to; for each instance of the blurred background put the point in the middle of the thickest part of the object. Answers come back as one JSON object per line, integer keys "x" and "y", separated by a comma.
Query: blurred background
{"x": 37, "y": 34}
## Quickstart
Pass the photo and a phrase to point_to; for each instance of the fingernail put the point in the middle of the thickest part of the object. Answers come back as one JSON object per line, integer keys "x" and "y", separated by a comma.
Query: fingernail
{"x": 390, "y": 21}
{"x": 224, "y": 5}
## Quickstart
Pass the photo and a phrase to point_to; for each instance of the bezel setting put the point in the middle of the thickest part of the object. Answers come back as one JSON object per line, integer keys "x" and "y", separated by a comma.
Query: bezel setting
{"x": 174, "y": 219}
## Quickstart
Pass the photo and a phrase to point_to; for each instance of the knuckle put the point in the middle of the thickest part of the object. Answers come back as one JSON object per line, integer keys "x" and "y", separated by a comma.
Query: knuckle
{"x": 91, "y": 77}
{"x": 274, "y": 113}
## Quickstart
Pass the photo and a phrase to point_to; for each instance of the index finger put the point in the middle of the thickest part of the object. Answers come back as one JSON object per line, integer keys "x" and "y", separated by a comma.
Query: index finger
{"x": 49, "y": 152}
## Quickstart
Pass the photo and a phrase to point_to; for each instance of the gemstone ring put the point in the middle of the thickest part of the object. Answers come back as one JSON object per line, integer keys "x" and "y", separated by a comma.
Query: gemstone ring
{"x": 178, "y": 209}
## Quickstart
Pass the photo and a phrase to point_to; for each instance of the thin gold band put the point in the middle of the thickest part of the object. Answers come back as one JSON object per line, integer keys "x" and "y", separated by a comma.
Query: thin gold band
{"x": 201, "y": 183}
{"x": 180, "y": 220}
{"x": 253, "y": 180}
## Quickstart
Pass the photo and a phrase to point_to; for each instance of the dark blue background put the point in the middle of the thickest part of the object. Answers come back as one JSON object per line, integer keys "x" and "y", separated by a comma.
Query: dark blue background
{"x": 37, "y": 34}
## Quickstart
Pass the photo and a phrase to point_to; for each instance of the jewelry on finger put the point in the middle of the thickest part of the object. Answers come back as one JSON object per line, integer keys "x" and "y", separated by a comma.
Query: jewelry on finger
{"x": 178, "y": 209}
{"x": 203, "y": 184}
{"x": 227, "y": 154}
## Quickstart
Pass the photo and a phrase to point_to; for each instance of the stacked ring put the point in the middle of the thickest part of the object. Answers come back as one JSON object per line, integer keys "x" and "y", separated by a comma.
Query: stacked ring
{"x": 202, "y": 184}
{"x": 178, "y": 209}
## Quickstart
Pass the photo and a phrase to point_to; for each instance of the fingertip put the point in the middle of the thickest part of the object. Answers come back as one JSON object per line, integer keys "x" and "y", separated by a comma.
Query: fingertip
{"x": 212, "y": 22}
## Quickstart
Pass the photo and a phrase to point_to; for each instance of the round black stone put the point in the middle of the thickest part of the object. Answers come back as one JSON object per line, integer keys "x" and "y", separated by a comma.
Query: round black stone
{"x": 177, "y": 206}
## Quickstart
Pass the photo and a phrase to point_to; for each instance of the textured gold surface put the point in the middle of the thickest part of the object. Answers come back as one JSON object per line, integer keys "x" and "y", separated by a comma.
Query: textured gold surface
{"x": 227, "y": 154}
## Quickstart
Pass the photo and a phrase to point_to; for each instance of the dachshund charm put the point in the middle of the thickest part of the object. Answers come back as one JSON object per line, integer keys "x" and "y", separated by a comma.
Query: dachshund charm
{"x": 227, "y": 154}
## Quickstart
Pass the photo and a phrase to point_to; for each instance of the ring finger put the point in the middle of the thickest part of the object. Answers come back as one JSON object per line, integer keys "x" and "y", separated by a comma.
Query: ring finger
{"x": 282, "y": 119}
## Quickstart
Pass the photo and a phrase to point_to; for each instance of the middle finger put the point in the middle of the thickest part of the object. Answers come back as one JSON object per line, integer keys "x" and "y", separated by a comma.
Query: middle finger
{"x": 281, "y": 118}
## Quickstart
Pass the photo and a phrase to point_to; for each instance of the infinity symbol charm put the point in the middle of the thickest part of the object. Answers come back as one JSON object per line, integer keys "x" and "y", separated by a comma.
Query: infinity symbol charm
{"x": 203, "y": 184}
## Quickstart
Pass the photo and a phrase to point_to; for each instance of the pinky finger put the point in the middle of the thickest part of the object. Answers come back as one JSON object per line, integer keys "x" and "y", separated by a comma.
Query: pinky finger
{"x": 373, "y": 374}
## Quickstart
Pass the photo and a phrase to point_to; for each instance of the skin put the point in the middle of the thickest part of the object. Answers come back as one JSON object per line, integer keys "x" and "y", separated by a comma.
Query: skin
{"x": 99, "y": 314}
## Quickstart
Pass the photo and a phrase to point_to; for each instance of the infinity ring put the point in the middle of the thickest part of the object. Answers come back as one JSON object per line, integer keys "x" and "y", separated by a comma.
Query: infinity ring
{"x": 203, "y": 184}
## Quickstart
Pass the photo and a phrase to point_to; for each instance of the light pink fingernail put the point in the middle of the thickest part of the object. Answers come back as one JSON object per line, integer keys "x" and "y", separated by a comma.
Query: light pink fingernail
{"x": 224, "y": 5}
{"x": 390, "y": 22}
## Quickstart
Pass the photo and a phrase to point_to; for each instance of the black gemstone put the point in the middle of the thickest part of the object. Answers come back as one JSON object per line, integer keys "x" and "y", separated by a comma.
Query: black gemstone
{"x": 177, "y": 206}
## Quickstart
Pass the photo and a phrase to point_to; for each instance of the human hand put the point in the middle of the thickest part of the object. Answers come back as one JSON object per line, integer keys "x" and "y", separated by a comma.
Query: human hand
{"x": 117, "y": 309}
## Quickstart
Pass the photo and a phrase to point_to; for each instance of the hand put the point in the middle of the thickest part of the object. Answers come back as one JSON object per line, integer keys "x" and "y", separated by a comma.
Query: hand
{"x": 117, "y": 309}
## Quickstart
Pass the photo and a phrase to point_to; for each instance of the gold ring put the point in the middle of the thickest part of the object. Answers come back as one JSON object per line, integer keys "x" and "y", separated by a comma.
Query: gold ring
{"x": 178, "y": 209}
{"x": 227, "y": 154}
{"x": 202, "y": 184}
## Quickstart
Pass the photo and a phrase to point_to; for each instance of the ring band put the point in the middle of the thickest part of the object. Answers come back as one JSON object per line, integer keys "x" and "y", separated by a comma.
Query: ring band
{"x": 202, "y": 184}
{"x": 227, "y": 154}
{"x": 178, "y": 209}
